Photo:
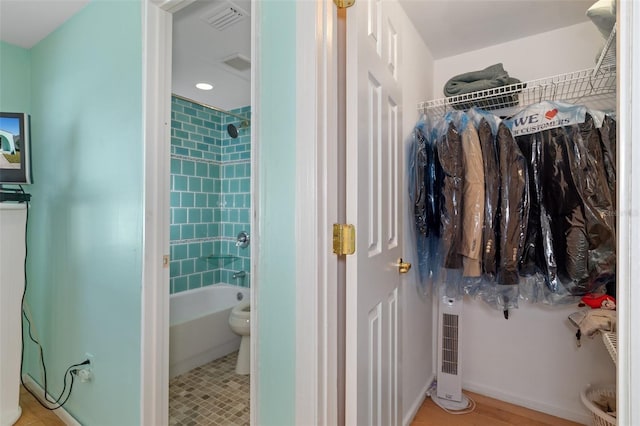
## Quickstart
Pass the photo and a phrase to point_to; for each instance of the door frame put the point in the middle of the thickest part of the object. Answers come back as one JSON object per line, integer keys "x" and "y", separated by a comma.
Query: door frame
{"x": 316, "y": 178}
{"x": 154, "y": 330}
{"x": 628, "y": 211}
{"x": 316, "y": 370}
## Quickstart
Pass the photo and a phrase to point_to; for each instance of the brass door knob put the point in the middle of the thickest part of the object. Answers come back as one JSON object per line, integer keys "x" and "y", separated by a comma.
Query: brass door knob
{"x": 403, "y": 267}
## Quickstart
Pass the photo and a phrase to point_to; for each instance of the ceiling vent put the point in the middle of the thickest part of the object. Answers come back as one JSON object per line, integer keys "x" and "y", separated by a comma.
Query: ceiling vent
{"x": 225, "y": 16}
{"x": 238, "y": 62}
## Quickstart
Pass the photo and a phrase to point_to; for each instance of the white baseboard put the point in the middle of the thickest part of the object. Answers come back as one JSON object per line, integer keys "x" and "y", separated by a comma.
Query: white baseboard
{"x": 60, "y": 412}
{"x": 582, "y": 417}
{"x": 413, "y": 410}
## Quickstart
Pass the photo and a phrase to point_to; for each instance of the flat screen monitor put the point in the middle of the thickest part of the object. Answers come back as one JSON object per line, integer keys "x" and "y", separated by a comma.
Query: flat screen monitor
{"x": 15, "y": 144}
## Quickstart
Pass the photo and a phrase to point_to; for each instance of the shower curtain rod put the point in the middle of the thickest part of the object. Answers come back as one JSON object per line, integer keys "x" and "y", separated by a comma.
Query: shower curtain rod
{"x": 211, "y": 107}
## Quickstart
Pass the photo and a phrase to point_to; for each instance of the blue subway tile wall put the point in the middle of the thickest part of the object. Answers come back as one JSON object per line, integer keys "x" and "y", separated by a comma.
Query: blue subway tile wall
{"x": 210, "y": 196}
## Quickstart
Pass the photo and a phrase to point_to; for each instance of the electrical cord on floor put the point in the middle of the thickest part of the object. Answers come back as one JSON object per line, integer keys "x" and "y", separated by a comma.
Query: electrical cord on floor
{"x": 432, "y": 392}
{"x": 56, "y": 401}
{"x": 470, "y": 407}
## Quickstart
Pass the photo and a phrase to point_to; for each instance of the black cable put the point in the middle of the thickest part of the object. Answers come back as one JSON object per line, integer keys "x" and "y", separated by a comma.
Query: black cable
{"x": 60, "y": 404}
{"x": 41, "y": 350}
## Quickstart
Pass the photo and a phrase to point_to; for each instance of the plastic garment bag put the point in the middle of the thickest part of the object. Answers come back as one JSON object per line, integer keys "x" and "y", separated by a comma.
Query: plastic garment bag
{"x": 491, "y": 200}
{"x": 487, "y": 125}
{"x": 532, "y": 256}
{"x": 449, "y": 148}
{"x": 425, "y": 181}
{"x": 570, "y": 240}
{"x": 608, "y": 142}
{"x": 538, "y": 258}
{"x": 417, "y": 177}
{"x": 499, "y": 296}
{"x": 434, "y": 176}
{"x": 565, "y": 211}
{"x": 417, "y": 165}
{"x": 473, "y": 203}
{"x": 514, "y": 216}
{"x": 448, "y": 144}
{"x": 514, "y": 208}
{"x": 548, "y": 204}
{"x": 586, "y": 161}
{"x": 566, "y": 182}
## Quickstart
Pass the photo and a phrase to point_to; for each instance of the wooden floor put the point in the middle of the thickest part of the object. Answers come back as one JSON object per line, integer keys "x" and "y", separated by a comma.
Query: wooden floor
{"x": 34, "y": 414}
{"x": 488, "y": 412}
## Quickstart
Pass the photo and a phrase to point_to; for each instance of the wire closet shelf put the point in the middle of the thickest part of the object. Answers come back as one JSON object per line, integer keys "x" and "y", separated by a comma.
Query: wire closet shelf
{"x": 592, "y": 87}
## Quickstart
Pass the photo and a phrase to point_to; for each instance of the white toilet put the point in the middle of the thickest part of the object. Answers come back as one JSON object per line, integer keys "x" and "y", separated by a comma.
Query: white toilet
{"x": 239, "y": 323}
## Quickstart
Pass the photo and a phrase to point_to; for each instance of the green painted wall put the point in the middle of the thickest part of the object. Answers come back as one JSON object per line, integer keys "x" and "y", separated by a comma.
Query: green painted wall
{"x": 277, "y": 179}
{"x": 15, "y": 78}
{"x": 83, "y": 87}
{"x": 86, "y": 218}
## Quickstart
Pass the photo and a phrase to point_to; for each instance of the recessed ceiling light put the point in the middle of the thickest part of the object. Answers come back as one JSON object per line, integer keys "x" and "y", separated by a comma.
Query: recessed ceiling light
{"x": 204, "y": 86}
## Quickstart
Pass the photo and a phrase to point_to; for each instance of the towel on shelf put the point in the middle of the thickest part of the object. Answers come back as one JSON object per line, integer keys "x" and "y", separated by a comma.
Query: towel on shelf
{"x": 488, "y": 78}
{"x": 590, "y": 321}
{"x": 603, "y": 15}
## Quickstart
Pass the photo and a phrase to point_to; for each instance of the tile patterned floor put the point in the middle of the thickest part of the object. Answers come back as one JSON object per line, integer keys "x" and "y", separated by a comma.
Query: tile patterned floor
{"x": 212, "y": 394}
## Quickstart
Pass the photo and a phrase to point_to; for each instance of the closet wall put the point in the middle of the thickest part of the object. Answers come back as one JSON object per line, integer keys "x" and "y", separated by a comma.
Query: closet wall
{"x": 532, "y": 358}
{"x": 416, "y": 66}
{"x": 555, "y": 52}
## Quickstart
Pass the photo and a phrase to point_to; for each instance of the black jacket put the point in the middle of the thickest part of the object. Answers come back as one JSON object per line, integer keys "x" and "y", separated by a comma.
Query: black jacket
{"x": 608, "y": 142}
{"x": 589, "y": 173}
{"x": 449, "y": 149}
{"x": 565, "y": 210}
{"x": 538, "y": 255}
{"x": 571, "y": 234}
{"x": 514, "y": 205}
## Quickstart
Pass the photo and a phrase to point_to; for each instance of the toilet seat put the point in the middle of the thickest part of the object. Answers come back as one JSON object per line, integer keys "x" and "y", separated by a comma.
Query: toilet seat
{"x": 242, "y": 310}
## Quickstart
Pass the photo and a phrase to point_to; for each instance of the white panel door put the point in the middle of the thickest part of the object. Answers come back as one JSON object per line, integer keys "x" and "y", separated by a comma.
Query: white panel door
{"x": 374, "y": 167}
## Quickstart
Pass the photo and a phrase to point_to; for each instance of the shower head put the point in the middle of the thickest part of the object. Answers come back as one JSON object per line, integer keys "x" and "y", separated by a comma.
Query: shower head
{"x": 233, "y": 130}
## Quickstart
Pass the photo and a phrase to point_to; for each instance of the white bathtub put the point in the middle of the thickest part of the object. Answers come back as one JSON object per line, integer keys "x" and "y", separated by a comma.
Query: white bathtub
{"x": 199, "y": 326}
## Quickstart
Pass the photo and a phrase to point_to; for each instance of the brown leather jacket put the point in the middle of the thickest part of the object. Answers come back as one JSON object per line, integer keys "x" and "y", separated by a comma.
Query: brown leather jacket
{"x": 449, "y": 148}
{"x": 491, "y": 200}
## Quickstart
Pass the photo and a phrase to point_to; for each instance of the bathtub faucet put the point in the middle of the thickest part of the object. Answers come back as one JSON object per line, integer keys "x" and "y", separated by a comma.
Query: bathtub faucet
{"x": 239, "y": 274}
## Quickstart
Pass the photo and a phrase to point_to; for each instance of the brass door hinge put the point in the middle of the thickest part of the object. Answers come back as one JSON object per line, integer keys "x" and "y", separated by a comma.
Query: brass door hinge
{"x": 344, "y": 239}
{"x": 343, "y": 4}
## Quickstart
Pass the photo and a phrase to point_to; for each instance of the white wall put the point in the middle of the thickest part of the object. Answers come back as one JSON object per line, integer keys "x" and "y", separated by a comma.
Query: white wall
{"x": 417, "y": 337}
{"x": 532, "y": 358}
{"x": 555, "y": 52}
